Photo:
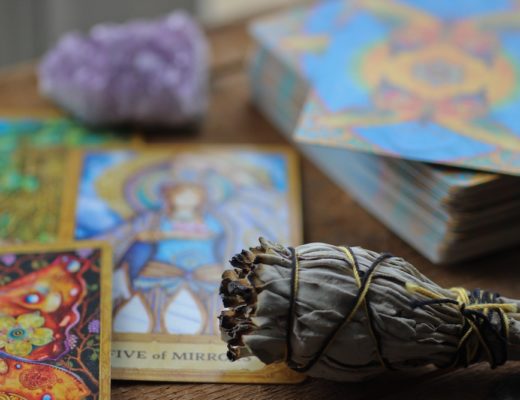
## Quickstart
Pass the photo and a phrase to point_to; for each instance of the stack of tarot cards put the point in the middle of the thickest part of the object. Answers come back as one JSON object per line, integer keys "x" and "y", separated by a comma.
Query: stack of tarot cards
{"x": 112, "y": 251}
{"x": 333, "y": 77}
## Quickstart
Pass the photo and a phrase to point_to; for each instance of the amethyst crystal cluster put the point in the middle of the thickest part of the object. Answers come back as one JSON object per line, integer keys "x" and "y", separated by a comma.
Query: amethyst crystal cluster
{"x": 145, "y": 72}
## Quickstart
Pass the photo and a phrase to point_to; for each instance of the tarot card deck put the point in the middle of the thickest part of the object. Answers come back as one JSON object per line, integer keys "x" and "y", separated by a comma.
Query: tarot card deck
{"x": 448, "y": 214}
{"x": 55, "y": 321}
{"x": 174, "y": 217}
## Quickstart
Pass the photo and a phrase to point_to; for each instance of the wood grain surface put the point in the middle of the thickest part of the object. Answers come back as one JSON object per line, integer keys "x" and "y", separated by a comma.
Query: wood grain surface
{"x": 330, "y": 215}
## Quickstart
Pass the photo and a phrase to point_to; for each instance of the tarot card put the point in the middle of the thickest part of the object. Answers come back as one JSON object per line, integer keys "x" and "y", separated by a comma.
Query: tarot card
{"x": 55, "y": 321}
{"x": 421, "y": 81}
{"x": 175, "y": 217}
{"x": 33, "y": 155}
{"x": 447, "y": 213}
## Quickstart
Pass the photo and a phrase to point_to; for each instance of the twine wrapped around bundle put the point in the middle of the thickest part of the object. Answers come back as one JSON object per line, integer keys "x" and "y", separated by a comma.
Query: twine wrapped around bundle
{"x": 348, "y": 313}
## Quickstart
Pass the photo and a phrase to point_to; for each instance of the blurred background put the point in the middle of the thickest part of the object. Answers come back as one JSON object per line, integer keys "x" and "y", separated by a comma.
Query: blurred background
{"x": 29, "y": 27}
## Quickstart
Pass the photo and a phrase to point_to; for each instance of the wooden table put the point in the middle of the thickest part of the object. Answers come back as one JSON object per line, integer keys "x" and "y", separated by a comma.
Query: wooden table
{"x": 330, "y": 215}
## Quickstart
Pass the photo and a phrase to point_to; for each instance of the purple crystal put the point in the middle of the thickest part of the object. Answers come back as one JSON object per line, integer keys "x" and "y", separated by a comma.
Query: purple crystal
{"x": 146, "y": 72}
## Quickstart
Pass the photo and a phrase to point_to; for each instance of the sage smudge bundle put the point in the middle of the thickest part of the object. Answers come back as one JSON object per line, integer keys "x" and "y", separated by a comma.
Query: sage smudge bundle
{"x": 348, "y": 313}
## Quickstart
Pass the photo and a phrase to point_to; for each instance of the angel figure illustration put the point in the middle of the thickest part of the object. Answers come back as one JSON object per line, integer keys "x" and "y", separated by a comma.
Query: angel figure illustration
{"x": 177, "y": 220}
{"x": 171, "y": 262}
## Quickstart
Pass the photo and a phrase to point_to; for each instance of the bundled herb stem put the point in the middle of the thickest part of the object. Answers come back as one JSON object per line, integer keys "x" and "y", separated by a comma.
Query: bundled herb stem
{"x": 350, "y": 313}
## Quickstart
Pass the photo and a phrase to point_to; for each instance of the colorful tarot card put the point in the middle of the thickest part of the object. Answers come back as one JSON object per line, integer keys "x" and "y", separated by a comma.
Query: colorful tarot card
{"x": 415, "y": 79}
{"x": 33, "y": 155}
{"x": 55, "y": 321}
{"x": 175, "y": 217}
{"x": 287, "y": 64}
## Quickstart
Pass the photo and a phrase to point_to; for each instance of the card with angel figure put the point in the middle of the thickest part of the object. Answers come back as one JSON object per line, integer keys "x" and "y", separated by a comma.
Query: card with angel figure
{"x": 174, "y": 218}
{"x": 55, "y": 321}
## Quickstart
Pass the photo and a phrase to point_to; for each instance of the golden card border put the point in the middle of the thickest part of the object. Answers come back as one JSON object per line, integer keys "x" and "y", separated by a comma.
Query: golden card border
{"x": 105, "y": 296}
{"x": 276, "y": 373}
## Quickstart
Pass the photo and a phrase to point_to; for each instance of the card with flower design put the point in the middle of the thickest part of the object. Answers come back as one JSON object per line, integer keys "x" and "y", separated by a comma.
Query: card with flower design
{"x": 174, "y": 218}
{"x": 55, "y": 321}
